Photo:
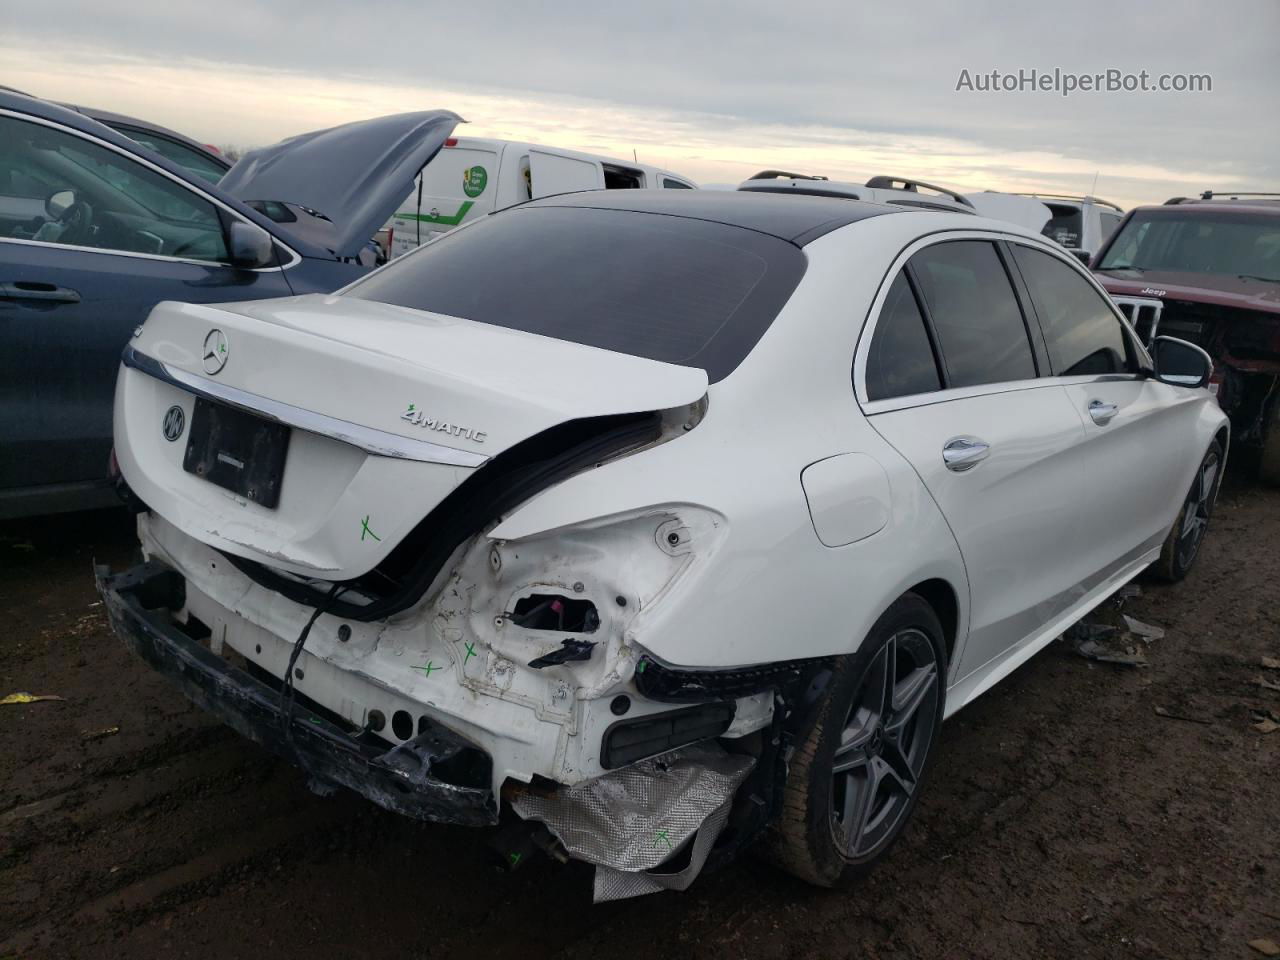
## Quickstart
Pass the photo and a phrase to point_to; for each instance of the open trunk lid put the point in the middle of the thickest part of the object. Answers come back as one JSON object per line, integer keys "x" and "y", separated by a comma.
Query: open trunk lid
{"x": 387, "y": 409}
{"x": 355, "y": 174}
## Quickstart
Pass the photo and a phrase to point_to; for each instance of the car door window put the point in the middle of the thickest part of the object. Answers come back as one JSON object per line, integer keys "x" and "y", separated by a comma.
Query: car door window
{"x": 900, "y": 361}
{"x": 976, "y": 320}
{"x": 1080, "y": 329}
{"x": 115, "y": 203}
{"x": 189, "y": 158}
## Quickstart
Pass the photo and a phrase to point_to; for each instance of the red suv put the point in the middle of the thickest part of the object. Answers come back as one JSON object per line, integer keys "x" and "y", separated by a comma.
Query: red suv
{"x": 1208, "y": 270}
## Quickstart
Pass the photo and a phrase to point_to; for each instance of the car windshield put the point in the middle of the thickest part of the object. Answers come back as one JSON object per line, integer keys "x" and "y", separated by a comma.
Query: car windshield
{"x": 1230, "y": 243}
{"x": 684, "y": 291}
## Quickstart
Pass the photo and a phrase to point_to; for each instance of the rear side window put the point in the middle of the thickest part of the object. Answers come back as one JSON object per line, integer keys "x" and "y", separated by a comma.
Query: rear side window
{"x": 1080, "y": 330}
{"x": 901, "y": 362}
{"x": 683, "y": 291}
{"x": 976, "y": 318}
{"x": 1109, "y": 223}
{"x": 1065, "y": 226}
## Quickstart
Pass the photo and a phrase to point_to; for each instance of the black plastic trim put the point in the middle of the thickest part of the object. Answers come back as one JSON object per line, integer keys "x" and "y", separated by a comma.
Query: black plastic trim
{"x": 658, "y": 681}
{"x": 626, "y": 741}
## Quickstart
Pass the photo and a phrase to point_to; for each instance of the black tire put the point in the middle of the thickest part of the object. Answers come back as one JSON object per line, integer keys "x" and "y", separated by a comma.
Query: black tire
{"x": 1182, "y": 545}
{"x": 809, "y": 839}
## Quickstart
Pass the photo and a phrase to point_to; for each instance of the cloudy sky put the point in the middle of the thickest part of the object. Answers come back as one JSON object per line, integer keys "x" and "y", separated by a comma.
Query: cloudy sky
{"x": 713, "y": 90}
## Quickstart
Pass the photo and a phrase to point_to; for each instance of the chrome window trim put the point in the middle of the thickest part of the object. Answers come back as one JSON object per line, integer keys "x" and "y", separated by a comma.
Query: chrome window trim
{"x": 71, "y": 131}
{"x": 872, "y": 407}
{"x": 1082, "y": 270}
{"x": 379, "y": 443}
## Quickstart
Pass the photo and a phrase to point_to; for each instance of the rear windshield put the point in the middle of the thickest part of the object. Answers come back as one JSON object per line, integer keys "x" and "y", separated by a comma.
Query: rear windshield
{"x": 1065, "y": 226}
{"x": 683, "y": 291}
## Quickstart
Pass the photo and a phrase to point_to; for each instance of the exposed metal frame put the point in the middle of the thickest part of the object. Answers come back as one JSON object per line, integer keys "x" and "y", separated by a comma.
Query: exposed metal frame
{"x": 380, "y": 443}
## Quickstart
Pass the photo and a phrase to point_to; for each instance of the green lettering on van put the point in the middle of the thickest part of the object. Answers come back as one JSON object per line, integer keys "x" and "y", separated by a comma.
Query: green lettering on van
{"x": 448, "y": 220}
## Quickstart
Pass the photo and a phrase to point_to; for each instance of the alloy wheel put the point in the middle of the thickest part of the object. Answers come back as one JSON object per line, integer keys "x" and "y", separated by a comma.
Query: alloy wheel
{"x": 884, "y": 744}
{"x": 1195, "y": 515}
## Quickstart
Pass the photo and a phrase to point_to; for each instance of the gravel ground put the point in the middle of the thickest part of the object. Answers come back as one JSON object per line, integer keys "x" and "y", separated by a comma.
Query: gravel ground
{"x": 1078, "y": 810}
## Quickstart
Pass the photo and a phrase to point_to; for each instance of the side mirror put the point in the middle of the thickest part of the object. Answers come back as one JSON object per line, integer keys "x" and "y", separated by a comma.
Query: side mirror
{"x": 1084, "y": 256}
{"x": 1180, "y": 363}
{"x": 57, "y": 205}
{"x": 250, "y": 246}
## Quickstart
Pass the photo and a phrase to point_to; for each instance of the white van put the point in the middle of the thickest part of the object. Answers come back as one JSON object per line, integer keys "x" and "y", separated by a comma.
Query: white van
{"x": 470, "y": 177}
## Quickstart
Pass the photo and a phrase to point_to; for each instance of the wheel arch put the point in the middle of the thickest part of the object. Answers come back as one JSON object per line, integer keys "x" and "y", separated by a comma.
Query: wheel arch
{"x": 944, "y": 600}
{"x": 1223, "y": 436}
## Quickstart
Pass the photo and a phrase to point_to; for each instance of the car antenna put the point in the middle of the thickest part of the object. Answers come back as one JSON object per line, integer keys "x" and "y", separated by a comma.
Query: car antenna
{"x": 1093, "y": 191}
{"x": 634, "y": 158}
{"x": 418, "y": 219}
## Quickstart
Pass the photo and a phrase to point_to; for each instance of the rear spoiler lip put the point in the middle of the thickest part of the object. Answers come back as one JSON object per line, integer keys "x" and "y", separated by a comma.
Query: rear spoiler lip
{"x": 377, "y": 442}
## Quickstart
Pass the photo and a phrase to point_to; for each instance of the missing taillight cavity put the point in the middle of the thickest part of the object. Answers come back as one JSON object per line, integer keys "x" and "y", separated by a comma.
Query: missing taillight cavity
{"x": 544, "y": 611}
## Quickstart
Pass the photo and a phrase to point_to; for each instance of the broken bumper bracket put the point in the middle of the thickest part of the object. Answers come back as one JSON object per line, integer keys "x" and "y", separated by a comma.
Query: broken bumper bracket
{"x": 399, "y": 779}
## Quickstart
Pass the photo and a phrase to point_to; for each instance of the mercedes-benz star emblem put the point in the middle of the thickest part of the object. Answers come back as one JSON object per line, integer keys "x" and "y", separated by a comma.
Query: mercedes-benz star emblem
{"x": 215, "y": 352}
{"x": 174, "y": 419}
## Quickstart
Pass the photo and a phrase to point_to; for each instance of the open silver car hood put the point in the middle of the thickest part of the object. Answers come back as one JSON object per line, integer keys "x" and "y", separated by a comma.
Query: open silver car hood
{"x": 355, "y": 174}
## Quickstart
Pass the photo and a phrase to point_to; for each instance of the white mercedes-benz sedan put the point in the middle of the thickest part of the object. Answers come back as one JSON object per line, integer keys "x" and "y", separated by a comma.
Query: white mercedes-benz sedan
{"x": 653, "y": 524}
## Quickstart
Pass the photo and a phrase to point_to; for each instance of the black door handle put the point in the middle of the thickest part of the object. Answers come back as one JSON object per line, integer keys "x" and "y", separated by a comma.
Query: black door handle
{"x": 29, "y": 290}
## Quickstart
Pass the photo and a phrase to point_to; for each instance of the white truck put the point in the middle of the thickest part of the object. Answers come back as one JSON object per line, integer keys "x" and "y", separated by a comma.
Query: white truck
{"x": 471, "y": 177}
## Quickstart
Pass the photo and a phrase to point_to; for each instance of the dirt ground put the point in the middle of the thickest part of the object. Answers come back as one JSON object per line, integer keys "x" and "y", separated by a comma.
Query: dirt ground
{"x": 1078, "y": 810}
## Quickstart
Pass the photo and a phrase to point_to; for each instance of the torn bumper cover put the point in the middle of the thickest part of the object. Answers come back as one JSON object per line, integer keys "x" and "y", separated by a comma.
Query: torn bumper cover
{"x": 399, "y": 779}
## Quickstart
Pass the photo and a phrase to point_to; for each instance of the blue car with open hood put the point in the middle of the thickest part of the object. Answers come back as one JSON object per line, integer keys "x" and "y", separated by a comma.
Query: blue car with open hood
{"x": 95, "y": 230}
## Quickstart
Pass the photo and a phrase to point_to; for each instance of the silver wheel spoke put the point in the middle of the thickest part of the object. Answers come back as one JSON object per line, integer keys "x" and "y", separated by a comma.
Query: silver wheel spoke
{"x": 911, "y": 692}
{"x": 905, "y": 769}
{"x": 851, "y": 754}
{"x": 879, "y": 682}
{"x": 1207, "y": 479}
{"x": 859, "y": 801}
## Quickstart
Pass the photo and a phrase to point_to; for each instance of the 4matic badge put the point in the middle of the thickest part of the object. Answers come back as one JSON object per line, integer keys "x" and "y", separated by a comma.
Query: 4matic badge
{"x": 418, "y": 418}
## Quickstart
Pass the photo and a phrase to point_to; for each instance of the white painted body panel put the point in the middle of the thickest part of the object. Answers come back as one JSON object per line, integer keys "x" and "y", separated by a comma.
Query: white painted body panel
{"x": 1027, "y": 212}
{"x": 849, "y": 498}
{"x": 1007, "y": 509}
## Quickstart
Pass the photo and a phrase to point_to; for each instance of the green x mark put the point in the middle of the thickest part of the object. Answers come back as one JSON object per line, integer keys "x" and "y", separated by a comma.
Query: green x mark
{"x": 515, "y": 858}
{"x": 365, "y": 531}
{"x": 662, "y": 835}
{"x": 426, "y": 668}
{"x": 471, "y": 652}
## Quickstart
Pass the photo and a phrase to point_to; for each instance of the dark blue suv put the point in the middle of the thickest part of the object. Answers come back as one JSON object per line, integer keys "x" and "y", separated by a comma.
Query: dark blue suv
{"x": 95, "y": 229}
